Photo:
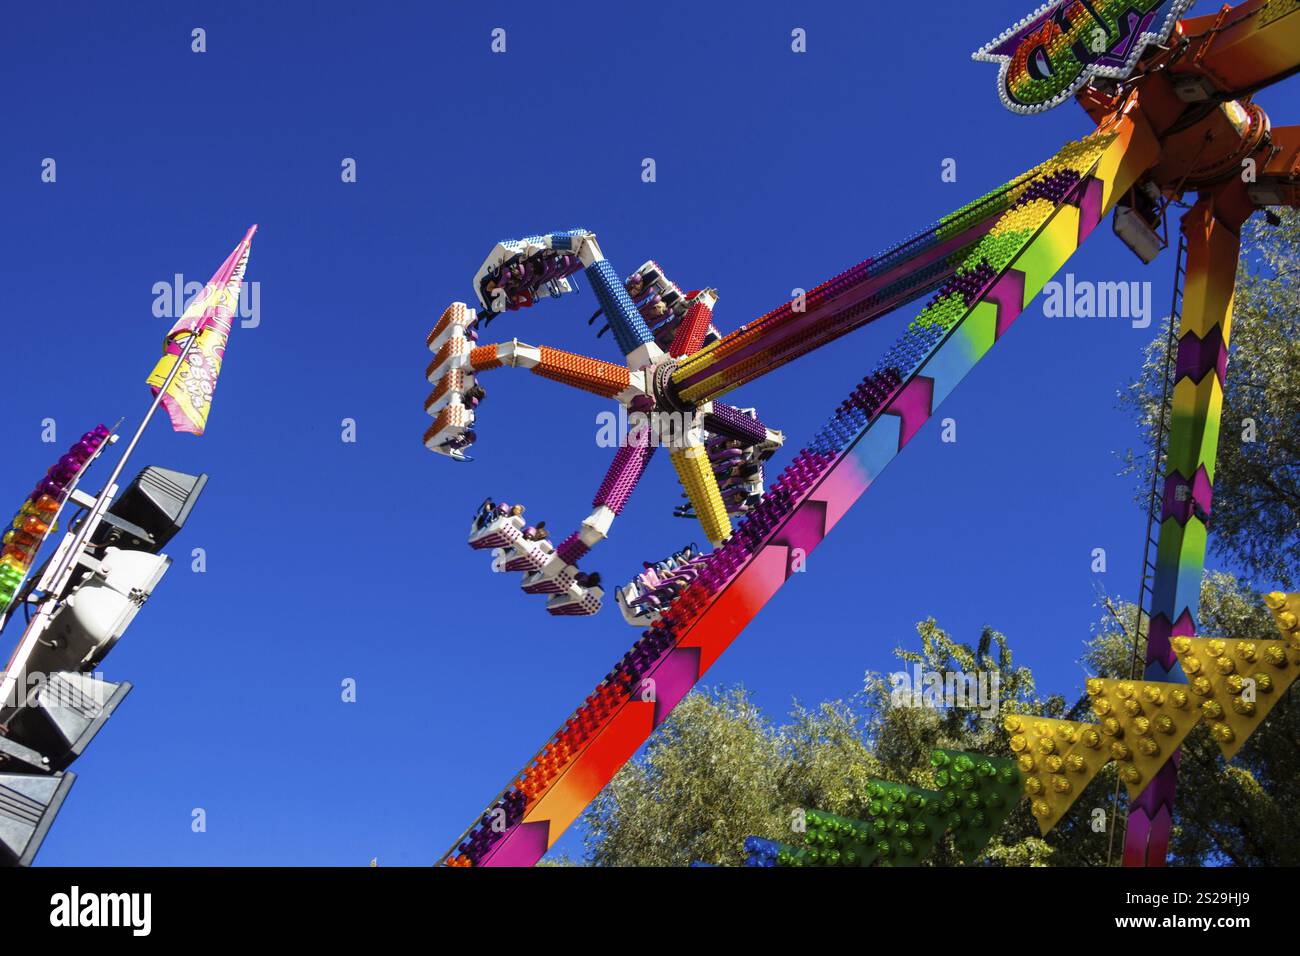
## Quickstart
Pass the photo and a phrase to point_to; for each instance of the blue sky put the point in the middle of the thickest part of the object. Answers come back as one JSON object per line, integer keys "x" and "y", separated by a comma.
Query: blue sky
{"x": 327, "y": 560}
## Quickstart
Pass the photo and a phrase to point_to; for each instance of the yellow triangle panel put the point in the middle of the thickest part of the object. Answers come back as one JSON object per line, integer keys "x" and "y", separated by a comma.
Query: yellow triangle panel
{"x": 1057, "y": 760}
{"x": 1286, "y": 611}
{"x": 1143, "y": 722}
{"x": 1236, "y": 683}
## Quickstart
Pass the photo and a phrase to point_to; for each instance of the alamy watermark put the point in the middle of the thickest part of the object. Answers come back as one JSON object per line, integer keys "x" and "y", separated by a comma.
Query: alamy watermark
{"x": 971, "y": 690}
{"x": 31, "y": 688}
{"x": 75, "y": 908}
{"x": 172, "y": 298}
{"x": 665, "y": 429}
{"x": 1084, "y": 299}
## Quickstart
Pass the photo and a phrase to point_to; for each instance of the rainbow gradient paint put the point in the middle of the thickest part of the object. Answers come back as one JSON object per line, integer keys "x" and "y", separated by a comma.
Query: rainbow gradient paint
{"x": 1053, "y": 211}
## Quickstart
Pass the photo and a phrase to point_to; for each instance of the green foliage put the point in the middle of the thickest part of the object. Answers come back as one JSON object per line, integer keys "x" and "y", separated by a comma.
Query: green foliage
{"x": 719, "y": 770}
{"x": 708, "y": 779}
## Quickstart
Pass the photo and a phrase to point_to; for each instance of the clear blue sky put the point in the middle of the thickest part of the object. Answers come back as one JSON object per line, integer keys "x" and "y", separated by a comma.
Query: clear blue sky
{"x": 329, "y": 560}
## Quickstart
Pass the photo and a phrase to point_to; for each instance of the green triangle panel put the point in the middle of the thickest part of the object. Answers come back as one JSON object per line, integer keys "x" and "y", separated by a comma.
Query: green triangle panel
{"x": 906, "y": 822}
{"x": 839, "y": 841}
{"x": 978, "y": 794}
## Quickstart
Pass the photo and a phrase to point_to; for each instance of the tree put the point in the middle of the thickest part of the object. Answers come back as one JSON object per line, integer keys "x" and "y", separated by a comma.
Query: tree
{"x": 707, "y": 780}
{"x": 1255, "y": 521}
{"x": 1246, "y": 812}
{"x": 719, "y": 770}
{"x": 904, "y": 736}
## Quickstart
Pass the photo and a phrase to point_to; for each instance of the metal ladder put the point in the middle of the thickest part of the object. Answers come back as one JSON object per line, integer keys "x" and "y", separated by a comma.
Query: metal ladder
{"x": 1155, "y": 497}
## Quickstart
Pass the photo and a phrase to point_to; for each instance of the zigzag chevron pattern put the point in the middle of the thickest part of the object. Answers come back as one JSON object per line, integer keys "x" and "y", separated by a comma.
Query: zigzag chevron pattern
{"x": 1004, "y": 271}
{"x": 1212, "y": 252}
{"x": 1198, "y": 356}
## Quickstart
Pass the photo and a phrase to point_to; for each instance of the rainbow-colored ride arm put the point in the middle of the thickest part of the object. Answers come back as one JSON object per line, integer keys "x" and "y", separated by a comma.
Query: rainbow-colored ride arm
{"x": 1213, "y": 248}
{"x": 874, "y": 287}
{"x": 1018, "y": 254}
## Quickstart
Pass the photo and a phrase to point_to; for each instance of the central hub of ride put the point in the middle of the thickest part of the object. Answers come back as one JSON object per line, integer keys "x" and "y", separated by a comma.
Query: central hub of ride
{"x": 662, "y": 390}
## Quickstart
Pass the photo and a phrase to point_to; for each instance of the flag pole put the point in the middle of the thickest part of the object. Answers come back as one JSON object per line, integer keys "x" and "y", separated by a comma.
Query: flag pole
{"x": 79, "y": 539}
{"x": 66, "y": 556}
{"x": 56, "y": 579}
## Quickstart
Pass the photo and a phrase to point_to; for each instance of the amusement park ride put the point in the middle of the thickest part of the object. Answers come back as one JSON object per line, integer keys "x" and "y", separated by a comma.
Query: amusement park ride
{"x": 1171, "y": 99}
{"x": 1172, "y": 102}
